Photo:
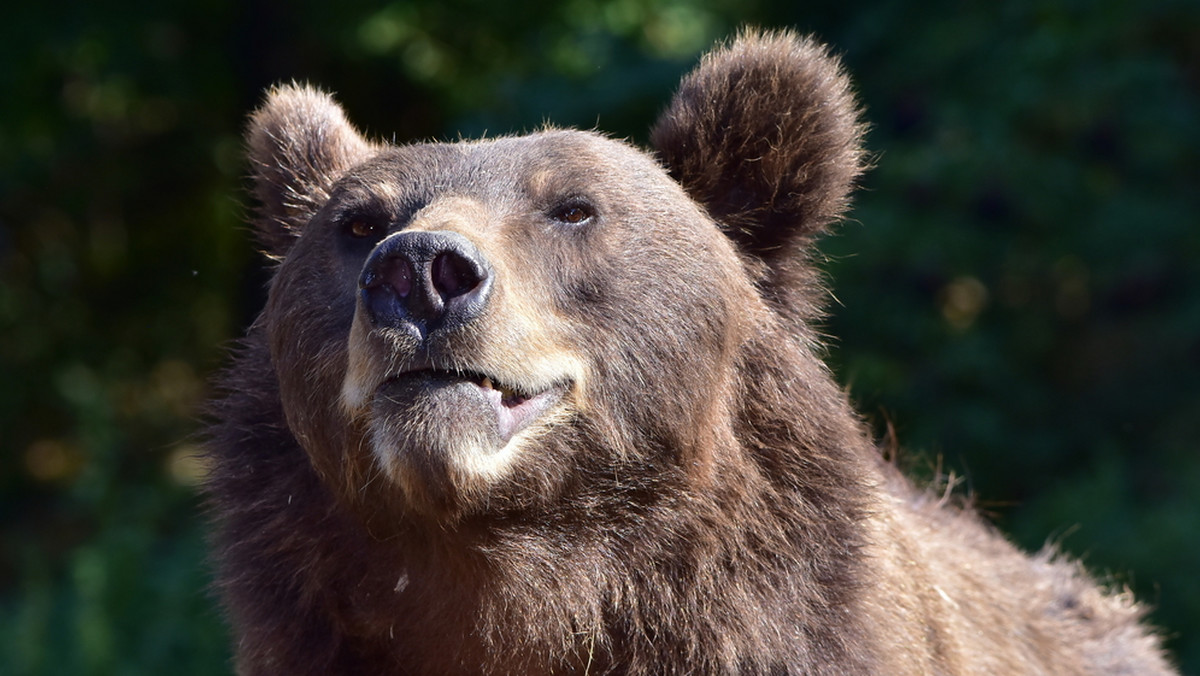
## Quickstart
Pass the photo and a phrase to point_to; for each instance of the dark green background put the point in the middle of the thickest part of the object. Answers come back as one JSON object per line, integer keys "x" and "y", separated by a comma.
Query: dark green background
{"x": 1017, "y": 290}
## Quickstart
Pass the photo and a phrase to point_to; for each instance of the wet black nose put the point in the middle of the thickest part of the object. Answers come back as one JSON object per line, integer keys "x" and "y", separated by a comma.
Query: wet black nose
{"x": 426, "y": 281}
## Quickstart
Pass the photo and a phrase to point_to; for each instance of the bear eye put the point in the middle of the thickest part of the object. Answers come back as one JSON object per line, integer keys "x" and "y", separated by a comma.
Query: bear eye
{"x": 361, "y": 228}
{"x": 573, "y": 212}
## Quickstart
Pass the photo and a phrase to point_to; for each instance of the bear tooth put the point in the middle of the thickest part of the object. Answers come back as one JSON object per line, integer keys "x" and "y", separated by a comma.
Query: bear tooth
{"x": 487, "y": 382}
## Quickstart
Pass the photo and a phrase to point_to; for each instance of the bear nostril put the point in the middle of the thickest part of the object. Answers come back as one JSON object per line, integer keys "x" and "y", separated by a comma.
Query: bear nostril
{"x": 397, "y": 273}
{"x": 453, "y": 275}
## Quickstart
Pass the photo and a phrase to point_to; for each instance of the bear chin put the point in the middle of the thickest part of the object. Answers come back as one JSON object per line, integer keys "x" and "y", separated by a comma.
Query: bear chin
{"x": 440, "y": 433}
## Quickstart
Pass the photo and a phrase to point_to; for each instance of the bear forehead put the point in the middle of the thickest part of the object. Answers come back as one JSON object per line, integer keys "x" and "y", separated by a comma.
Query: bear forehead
{"x": 542, "y": 166}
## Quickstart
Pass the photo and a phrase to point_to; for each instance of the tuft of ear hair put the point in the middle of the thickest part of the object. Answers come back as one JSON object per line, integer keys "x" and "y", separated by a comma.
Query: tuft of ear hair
{"x": 299, "y": 143}
{"x": 765, "y": 133}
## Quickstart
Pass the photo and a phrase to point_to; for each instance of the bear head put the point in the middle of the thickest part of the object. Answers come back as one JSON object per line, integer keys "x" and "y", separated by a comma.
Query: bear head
{"x": 489, "y": 327}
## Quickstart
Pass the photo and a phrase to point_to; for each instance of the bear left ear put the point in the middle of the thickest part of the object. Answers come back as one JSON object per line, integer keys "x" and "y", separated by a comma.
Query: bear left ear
{"x": 299, "y": 143}
{"x": 765, "y": 133}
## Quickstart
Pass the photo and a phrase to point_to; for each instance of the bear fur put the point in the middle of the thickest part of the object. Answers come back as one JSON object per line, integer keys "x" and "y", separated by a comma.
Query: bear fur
{"x": 551, "y": 404}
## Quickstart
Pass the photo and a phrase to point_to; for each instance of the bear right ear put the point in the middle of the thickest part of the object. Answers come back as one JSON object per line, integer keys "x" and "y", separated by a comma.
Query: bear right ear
{"x": 765, "y": 133}
{"x": 299, "y": 143}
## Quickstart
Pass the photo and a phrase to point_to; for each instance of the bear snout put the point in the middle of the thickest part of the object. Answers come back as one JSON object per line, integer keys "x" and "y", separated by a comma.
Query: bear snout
{"x": 425, "y": 281}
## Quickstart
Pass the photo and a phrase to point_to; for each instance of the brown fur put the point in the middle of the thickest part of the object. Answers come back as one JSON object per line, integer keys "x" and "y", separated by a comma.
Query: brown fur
{"x": 701, "y": 498}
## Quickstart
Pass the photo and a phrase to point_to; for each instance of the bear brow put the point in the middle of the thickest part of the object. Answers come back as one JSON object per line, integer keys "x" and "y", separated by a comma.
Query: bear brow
{"x": 378, "y": 200}
{"x": 548, "y": 182}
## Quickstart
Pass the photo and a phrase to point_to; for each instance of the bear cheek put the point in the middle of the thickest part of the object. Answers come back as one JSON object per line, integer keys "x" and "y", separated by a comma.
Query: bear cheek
{"x": 320, "y": 427}
{"x": 310, "y": 371}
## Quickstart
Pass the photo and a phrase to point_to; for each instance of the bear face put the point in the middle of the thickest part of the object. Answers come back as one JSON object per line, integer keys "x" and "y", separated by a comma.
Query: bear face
{"x": 458, "y": 290}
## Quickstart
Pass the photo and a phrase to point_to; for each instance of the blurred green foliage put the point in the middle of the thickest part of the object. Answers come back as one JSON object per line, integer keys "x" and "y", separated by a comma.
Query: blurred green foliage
{"x": 1017, "y": 292}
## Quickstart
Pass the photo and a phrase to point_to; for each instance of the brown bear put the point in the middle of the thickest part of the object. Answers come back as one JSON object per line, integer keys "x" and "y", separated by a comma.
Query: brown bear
{"x": 551, "y": 404}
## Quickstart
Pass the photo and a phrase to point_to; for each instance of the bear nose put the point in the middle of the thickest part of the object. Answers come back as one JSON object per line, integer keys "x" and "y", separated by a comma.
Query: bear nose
{"x": 426, "y": 280}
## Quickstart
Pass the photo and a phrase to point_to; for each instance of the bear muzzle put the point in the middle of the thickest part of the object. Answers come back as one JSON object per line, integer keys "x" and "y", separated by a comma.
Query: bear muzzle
{"x": 449, "y": 374}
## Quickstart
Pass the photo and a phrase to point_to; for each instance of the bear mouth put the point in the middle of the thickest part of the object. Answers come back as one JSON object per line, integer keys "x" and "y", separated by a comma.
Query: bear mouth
{"x": 464, "y": 396}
